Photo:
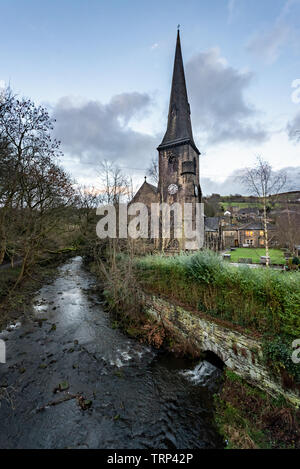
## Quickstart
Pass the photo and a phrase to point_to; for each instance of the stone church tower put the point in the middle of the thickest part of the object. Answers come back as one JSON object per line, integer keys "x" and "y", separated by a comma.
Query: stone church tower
{"x": 178, "y": 156}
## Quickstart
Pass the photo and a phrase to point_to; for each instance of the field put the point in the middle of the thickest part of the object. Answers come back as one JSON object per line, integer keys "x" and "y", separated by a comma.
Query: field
{"x": 255, "y": 253}
{"x": 241, "y": 204}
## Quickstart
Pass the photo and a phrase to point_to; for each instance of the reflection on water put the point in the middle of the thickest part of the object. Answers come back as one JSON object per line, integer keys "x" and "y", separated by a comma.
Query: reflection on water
{"x": 141, "y": 398}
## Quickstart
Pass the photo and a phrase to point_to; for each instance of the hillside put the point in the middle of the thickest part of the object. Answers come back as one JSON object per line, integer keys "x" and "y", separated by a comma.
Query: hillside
{"x": 216, "y": 205}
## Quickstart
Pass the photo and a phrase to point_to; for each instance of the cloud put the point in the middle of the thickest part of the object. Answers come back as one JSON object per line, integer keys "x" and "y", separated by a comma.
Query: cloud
{"x": 91, "y": 131}
{"x": 219, "y": 106}
{"x": 269, "y": 43}
{"x": 293, "y": 128}
{"x": 293, "y": 178}
{"x": 154, "y": 46}
{"x": 232, "y": 184}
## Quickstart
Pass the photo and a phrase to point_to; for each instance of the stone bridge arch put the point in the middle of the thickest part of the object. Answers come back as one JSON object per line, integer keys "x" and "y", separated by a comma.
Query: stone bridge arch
{"x": 239, "y": 352}
{"x": 213, "y": 358}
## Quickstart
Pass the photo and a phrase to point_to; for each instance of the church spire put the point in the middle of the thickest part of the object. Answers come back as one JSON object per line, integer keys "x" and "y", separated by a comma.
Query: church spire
{"x": 179, "y": 130}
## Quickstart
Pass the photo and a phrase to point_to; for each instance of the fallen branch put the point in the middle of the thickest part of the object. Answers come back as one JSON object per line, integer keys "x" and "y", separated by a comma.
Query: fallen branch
{"x": 69, "y": 397}
{"x": 82, "y": 402}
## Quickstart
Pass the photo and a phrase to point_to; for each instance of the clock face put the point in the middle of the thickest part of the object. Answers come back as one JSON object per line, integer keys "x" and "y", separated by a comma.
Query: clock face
{"x": 196, "y": 191}
{"x": 172, "y": 189}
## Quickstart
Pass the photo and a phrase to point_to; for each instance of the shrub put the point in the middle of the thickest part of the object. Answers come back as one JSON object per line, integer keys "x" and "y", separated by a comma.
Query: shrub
{"x": 262, "y": 299}
{"x": 278, "y": 354}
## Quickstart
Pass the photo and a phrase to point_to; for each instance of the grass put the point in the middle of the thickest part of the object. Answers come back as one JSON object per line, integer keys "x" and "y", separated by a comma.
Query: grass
{"x": 276, "y": 255}
{"x": 229, "y": 204}
{"x": 241, "y": 204}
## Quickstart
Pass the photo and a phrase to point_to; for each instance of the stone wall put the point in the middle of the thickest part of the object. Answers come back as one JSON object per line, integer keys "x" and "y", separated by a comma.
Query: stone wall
{"x": 240, "y": 353}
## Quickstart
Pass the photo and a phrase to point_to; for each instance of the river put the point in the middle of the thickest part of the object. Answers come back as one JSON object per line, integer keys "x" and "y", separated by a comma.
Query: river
{"x": 73, "y": 381}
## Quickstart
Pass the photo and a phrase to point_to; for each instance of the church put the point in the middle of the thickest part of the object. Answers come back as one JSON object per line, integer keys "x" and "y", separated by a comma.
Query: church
{"x": 178, "y": 159}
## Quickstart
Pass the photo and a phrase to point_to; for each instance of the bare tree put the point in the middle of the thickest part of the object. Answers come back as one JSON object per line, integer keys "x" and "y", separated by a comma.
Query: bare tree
{"x": 25, "y": 141}
{"x": 87, "y": 200}
{"x": 45, "y": 191}
{"x": 262, "y": 182}
{"x": 33, "y": 188}
{"x": 152, "y": 171}
{"x": 114, "y": 185}
{"x": 288, "y": 228}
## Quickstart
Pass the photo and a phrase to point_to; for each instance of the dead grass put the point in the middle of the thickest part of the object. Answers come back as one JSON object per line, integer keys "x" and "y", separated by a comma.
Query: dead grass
{"x": 249, "y": 419}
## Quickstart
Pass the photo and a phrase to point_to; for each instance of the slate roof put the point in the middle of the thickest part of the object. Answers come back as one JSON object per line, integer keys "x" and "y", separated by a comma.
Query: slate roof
{"x": 143, "y": 186}
{"x": 230, "y": 228}
{"x": 154, "y": 188}
{"x": 256, "y": 226}
{"x": 248, "y": 210}
{"x": 211, "y": 223}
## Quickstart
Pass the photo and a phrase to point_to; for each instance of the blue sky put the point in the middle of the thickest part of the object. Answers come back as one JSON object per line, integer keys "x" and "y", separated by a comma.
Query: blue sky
{"x": 104, "y": 69}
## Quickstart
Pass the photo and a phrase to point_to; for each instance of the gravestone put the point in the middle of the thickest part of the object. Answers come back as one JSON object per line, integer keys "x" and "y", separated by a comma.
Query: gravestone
{"x": 226, "y": 257}
{"x": 263, "y": 260}
{"x": 245, "y": 260}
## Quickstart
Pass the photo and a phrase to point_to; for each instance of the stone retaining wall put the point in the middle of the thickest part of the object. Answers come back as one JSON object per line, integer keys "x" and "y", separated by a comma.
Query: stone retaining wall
{"x": 240, "y": 353}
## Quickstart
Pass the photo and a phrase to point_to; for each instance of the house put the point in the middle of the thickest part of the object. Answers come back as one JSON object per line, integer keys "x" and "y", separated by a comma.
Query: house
{"x": 247, "y": 213}
{"x": 213, "y": 233}
{"x": 234, "y": 209}
{"x": 230, "y": 236}
{"x": 253, "y": 235}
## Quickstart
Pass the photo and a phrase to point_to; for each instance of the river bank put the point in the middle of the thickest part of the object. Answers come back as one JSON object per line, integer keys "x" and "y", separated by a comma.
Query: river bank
{"x": 15, "y": 303}
{"x": 251, "y": 419}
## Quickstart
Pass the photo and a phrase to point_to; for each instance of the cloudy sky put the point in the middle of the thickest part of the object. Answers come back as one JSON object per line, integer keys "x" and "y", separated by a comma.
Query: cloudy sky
{"x": 103, "y": 68}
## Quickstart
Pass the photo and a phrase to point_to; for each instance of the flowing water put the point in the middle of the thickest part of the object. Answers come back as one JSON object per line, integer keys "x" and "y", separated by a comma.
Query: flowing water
{"x": 140, "y": 398}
